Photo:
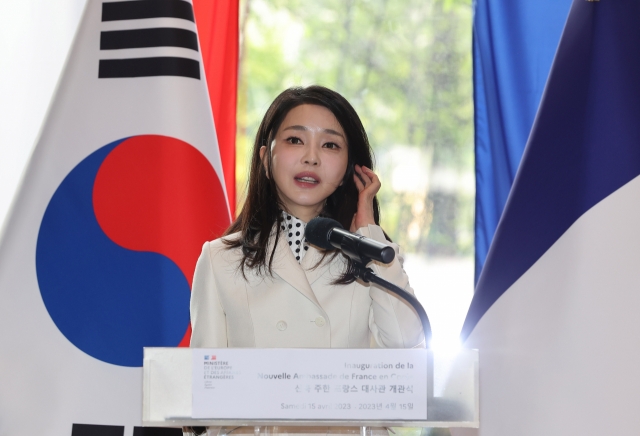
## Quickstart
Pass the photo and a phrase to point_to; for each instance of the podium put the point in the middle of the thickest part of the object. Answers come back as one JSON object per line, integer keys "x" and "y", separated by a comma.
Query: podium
{"x": 309, "y": 387}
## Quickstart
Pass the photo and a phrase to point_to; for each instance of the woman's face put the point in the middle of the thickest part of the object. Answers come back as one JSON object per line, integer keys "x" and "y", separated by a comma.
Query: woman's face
{"x": 309, "y": 159}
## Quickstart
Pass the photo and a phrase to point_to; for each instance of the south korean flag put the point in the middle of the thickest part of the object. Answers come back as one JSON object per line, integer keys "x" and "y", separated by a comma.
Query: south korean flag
{"x": 124, "y": 186}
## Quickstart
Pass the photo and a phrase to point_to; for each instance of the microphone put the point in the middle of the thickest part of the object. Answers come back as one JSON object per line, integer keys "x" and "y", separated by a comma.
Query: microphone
{"x": 329, "y": 234}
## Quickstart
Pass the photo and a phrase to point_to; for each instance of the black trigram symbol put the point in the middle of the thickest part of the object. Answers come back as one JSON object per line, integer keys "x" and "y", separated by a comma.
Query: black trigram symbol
{"x": 118, "y": 430}
{"x": 146, "y": 38}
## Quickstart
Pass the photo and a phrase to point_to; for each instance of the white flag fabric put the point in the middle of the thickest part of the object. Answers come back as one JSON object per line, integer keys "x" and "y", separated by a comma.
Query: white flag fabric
{"x": 124, "y": 186}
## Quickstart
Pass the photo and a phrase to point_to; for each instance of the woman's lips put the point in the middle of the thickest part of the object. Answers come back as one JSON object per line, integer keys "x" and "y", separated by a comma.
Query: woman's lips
{"x": 306, "y": 180}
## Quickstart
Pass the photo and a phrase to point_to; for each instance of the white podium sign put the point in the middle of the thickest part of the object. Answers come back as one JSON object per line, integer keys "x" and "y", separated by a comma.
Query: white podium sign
{"x": 310, "y": 384}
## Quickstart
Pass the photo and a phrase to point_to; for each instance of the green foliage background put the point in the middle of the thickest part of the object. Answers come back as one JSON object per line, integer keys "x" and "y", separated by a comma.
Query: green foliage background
{"x": 405, "y": 65}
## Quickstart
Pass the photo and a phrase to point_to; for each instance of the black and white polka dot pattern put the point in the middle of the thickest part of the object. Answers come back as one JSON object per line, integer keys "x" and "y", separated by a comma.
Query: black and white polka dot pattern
{"x": 293, "y": 229}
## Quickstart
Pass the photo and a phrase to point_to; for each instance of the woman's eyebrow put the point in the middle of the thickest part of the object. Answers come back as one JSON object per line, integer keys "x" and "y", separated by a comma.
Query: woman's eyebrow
{"x": 305, "y": 128}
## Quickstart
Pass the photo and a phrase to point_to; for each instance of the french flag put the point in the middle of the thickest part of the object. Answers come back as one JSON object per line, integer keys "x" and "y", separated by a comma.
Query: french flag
{"x": 556, "y": 309}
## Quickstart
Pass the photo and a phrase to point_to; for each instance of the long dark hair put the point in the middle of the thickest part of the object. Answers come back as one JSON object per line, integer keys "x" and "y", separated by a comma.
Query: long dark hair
{"x": 261, "y": 210}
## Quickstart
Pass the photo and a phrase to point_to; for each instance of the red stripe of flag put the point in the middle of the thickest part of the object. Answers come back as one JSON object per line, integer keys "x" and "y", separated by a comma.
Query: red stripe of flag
{"x": 218, "y": 33}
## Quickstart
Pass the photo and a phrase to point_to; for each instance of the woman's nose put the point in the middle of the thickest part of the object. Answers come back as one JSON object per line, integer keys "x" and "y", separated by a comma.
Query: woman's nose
{"x": 311, "y": 156}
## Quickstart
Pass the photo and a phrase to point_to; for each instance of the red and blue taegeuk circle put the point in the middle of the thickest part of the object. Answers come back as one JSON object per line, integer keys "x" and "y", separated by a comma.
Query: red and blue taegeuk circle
{"x": 119, "y": 241}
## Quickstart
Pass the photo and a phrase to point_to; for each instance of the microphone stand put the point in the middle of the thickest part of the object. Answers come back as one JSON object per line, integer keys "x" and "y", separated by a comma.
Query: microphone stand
{"x": 366, "y": 275}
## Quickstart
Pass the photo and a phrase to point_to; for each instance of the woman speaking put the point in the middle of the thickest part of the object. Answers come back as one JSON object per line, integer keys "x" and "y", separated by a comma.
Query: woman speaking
{"x": 262, "y": 284}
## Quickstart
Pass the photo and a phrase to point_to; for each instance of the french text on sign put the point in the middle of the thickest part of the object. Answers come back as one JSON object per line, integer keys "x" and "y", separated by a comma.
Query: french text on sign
{"x": 310, "y": 384}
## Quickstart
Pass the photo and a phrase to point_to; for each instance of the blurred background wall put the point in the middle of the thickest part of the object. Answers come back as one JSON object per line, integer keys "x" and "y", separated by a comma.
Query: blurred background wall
{"x": 406, "y": 66}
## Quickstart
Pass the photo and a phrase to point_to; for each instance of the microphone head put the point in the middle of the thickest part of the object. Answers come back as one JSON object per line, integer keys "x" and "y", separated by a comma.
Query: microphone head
{"x": 318, "y": 230}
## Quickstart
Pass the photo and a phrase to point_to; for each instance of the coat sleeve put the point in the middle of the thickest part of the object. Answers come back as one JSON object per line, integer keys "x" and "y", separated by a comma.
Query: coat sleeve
{"x": 208, "y": 319}
{"x": 392, "y": 321}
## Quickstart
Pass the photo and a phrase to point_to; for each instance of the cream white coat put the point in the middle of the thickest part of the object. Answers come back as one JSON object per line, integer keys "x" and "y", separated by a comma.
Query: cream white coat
{"x": 298, "y": 306}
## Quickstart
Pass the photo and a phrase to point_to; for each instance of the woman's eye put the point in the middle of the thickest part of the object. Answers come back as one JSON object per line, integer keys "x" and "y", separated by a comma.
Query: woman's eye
{"x": 332, "y": 145}
{"x": 294, "y": 140}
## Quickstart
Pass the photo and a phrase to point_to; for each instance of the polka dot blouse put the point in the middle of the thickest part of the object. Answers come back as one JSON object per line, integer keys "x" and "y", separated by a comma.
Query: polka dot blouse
{"x": 293, "y": 229}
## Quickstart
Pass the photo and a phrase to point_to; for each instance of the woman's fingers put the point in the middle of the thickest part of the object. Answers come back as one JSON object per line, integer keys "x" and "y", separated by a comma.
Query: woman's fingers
{"x": 369, "y": 180}
{"x": 371, "y": 175}
{"x": 364, "y": 173}
{"x": 368, "y": 185}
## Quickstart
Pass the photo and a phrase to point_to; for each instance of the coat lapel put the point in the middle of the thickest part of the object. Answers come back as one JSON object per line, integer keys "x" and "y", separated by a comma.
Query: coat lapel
{"x": 310, "y": 260}
{"x": 288, "y": 269}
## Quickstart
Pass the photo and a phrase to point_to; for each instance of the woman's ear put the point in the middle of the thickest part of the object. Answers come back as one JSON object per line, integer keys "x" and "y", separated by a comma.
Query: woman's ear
{"x": 263, "y": 158}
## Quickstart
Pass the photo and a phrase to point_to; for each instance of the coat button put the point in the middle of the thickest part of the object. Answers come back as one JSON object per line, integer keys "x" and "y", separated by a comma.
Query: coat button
{"x": 281, "y": 325}
{"x": 320, "y": 321}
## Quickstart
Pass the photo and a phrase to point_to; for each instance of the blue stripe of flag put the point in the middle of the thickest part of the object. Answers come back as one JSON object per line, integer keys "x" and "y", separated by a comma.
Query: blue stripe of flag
{"x": 513, "y": 47}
